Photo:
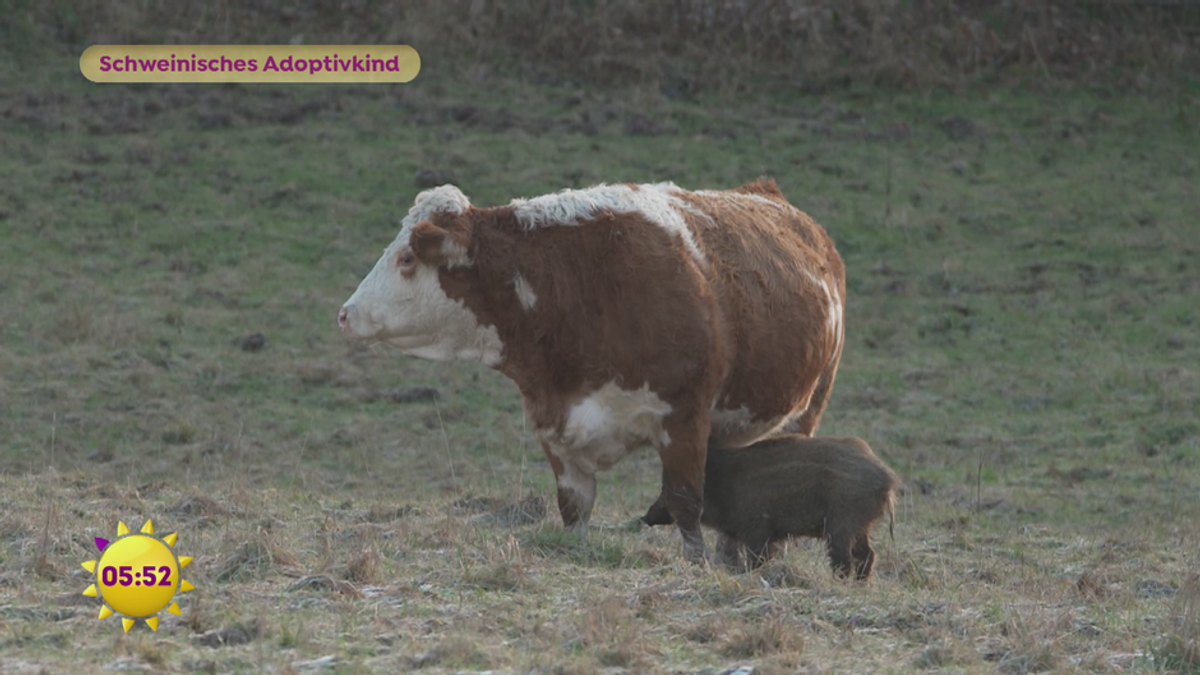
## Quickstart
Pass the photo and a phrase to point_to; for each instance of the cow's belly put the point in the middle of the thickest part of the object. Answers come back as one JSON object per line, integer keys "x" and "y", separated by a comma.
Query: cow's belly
{"x": 608, "y": 424}
{"x": 738, "y": 428}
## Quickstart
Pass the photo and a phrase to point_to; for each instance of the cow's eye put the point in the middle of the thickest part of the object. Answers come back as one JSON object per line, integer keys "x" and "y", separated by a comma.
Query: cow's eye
{"x": 405, "y": 259}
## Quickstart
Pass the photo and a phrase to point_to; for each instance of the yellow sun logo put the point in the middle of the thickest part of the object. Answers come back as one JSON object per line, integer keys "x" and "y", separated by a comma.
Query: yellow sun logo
{"x": 137, "y": 576}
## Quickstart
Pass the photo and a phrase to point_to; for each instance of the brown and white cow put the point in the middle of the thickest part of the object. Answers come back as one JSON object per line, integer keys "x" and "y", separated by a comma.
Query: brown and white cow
{"x": 628, "y": 315}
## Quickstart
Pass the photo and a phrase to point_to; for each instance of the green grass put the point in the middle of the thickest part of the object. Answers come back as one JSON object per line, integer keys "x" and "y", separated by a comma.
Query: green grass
{"x": 1022, "y": 349}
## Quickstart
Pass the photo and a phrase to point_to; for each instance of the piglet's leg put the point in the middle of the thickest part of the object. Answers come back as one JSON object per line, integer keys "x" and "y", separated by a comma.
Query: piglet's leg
{"x": 839, "y": 554}
{"x": 758, "y": 550}
{"x": 864, "y": 558}
{"x": 729, "y": 552}
{"x": 576, "y": 491}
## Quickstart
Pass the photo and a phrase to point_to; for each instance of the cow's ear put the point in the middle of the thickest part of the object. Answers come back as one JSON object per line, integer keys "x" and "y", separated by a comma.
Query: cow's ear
{"x": 438, "y": 247}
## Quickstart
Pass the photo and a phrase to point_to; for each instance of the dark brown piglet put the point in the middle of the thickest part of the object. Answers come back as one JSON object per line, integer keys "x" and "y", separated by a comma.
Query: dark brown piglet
{"x": 834, "y": 489}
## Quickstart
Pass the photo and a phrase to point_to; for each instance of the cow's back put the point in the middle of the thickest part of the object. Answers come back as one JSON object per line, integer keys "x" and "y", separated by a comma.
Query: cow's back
{"x": 780, "y": 285}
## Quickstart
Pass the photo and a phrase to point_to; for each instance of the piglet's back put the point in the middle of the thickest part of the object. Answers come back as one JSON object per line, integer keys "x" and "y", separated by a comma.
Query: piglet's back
{"x": 785, "y": 464}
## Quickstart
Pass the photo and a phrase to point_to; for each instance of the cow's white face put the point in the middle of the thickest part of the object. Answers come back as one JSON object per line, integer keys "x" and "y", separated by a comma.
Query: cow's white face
{"x": 401, "y": 301}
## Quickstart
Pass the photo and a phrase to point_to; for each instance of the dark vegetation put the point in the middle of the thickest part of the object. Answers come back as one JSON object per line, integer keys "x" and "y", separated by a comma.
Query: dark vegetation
{"x": 681, "y": 46}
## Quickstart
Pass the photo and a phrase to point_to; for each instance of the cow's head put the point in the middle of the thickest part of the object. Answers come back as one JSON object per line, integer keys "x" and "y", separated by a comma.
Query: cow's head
{"x": 401, "y": 301}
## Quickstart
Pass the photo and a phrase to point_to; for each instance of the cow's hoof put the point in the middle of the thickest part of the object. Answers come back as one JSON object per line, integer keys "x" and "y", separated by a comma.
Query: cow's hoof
{"x": 658, "y": 514}
{"x": 697, "y": 555}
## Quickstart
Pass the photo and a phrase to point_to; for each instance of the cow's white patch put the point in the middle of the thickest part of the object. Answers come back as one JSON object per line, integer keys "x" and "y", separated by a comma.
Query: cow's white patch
{"x": 524, "y": 291}
{"x": 608, "y": 424}
{"x": 416, "y": 316}
{"x": 815, "y": 281}
{"x": 577, "y": 485}
{"x": 835, "y": 315}
{"x": 441, "y": 199}
{"x": 413, "y": 313}
{"x": 691, "y": 208}
{"x": 737, "y": 428}
{"x": 655, "y": 201}
{"x": 455, "y": 253}
{"x": 572, "y": 478}
{"x": 484, "y": 346}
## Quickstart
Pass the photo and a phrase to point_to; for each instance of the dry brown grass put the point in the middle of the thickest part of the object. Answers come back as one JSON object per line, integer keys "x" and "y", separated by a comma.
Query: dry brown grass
{"x": 1182, "y": 647}
{"x": 258, "y": 556}
{"x": 363, "y": 567}
{"x": 762, "y": 637}
{"x": 447, "y": 592}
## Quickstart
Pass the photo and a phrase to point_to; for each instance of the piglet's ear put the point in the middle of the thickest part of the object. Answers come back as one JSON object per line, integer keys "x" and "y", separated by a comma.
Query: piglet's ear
{"x": 438, "y": 247}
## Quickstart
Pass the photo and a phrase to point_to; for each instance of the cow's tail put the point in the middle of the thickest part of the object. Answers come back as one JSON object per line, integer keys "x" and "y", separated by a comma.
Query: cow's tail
{"x": 810, "y": 419}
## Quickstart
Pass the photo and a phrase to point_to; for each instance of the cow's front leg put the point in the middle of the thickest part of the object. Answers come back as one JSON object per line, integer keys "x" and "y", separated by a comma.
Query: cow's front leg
{"x": 658, "y": 514}
{"x": 576, "y": 490}
{"x": 683, "y": 482}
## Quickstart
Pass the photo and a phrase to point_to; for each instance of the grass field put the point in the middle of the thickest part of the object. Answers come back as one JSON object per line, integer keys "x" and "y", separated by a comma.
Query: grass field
{"x": 1023, "y": 348}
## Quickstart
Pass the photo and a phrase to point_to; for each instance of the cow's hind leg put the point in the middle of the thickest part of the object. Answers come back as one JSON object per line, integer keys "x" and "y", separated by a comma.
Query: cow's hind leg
{"x": 810, "y": 419}
{"x": 683, "y": 480}
{"x": 658, "y": 514}
{"x": 576, "y": 492}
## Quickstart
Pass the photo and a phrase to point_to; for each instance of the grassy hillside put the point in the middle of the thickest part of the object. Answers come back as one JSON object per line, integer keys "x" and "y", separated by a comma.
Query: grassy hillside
{"x": 1022, "y": 349}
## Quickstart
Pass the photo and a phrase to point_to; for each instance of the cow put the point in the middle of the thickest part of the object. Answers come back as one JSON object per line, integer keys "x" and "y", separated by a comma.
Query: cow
{"x": 786, "y": 486}
{"x": 628, "y": 315}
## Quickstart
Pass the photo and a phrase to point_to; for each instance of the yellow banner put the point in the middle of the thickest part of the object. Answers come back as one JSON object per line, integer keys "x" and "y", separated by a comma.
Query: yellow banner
{"x": 250, "y": 63}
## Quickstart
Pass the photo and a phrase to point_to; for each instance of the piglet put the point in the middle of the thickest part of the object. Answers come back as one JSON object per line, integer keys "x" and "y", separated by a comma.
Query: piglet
{"x": 786, "y": 486}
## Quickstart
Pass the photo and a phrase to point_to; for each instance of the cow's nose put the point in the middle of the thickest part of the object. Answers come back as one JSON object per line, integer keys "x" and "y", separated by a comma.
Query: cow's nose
{"x": 344, "y": 320}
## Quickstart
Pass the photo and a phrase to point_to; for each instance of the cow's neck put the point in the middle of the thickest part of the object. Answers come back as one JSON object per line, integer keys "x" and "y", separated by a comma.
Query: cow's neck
{"x": 516, "y": 286}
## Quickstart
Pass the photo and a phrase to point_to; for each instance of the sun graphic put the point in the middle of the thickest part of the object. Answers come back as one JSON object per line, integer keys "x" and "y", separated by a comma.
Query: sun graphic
{"x": 137, "y": 575}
